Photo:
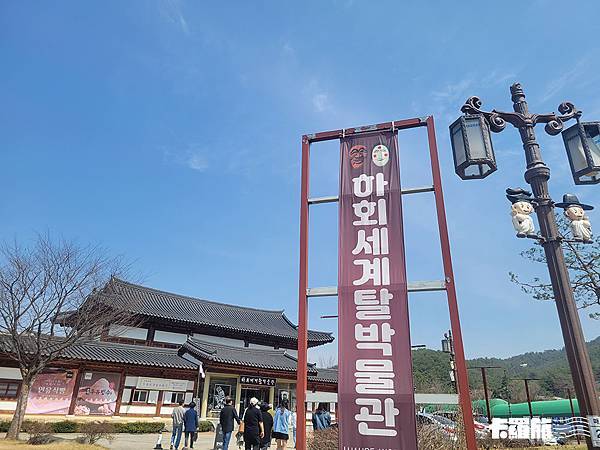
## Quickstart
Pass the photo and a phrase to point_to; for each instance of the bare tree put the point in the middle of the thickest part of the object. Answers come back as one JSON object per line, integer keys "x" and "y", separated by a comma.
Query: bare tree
{"x": 53, "y": 295}
{"x": 583, "y": 262}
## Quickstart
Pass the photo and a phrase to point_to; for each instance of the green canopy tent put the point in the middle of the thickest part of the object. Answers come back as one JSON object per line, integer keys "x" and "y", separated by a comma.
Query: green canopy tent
{"x": 547, "y": 408}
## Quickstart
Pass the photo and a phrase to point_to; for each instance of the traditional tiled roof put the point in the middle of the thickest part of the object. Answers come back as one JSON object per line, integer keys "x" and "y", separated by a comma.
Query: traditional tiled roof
{"x": 109, "y": 352}
{"x": 267, "y": 324}
{"x": 324, "y": 376}
{"x": 242, "y": 356}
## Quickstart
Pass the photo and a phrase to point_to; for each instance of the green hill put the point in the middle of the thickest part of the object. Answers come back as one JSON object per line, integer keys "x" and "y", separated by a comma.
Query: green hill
{"x": 431, "y": 373}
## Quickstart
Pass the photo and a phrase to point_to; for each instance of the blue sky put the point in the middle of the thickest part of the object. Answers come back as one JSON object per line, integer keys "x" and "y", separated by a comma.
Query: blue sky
{"x": 169, "y": 132}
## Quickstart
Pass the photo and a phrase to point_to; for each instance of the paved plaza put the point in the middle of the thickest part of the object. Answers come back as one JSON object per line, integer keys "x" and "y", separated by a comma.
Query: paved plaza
{"x": 148, "y": 441}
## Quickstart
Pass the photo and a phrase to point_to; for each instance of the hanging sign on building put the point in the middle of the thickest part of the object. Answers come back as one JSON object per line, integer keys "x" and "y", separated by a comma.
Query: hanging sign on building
{"x": 257, "y": 381}
{"x": 375, "y": 387}
{"x": 161, "y": 384}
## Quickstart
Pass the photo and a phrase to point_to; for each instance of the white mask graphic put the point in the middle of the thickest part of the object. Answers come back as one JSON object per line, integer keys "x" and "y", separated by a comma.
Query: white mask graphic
{"x": 380, "y": 155}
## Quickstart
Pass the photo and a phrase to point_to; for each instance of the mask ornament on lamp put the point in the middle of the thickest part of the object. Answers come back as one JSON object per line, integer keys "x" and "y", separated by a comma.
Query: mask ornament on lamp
{"x": 575, "y": 212}
{"x": 521, "y": 210}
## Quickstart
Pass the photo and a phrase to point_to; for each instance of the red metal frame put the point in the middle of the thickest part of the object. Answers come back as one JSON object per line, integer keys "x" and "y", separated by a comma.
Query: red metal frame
{"x": 461, "y": 366}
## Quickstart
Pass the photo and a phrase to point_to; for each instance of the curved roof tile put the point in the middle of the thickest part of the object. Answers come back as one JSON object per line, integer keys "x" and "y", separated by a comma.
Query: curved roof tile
{"x": 166, "y": 305}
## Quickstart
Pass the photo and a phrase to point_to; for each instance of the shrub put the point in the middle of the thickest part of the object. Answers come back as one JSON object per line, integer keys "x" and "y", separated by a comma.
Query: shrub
{"x": 205, "y": 425}
{"x": 94, "y": 431}
{"x": 64, "y": 426}
{"x": 43, "y": 439}
{"x": 139, "y": 427}
{"x": 324, "y": 439}
{"x": 37, "y": 429}
{"x": 4, "y": 424}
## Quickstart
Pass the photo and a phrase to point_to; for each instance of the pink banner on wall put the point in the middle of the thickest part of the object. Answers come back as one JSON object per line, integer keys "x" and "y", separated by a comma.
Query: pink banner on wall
{"x": 375, "y": 386}
{"x": 97, "y": 394}
{"x": 51, "y": 393}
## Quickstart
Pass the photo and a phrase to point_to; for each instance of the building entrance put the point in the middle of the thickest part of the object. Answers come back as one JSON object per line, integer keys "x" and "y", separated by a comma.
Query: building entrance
{"x": 262, "y": 394}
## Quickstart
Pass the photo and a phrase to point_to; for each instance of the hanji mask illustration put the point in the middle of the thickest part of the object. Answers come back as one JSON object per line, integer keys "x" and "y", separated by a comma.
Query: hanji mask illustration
{"x": 99, "y": 393}
{"x": 357, "y": 156}
{"x": 380, "y": 155}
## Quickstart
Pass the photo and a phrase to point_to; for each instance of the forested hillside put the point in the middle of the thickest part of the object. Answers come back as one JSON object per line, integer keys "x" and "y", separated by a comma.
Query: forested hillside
{"x": 431, "y": 373}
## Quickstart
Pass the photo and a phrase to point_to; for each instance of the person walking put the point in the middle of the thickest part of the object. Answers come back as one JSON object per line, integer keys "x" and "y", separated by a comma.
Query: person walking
{"x": 321, "y": 418}
{"x": 252, "y": 424}
{"x": 226, "y": 417}
{"x": 190, "y": 424}
{"x": 281, "y": 425}
{"x": 265, "y": 441}
{"x": 177, "y": 417}
{"x": 294, "y": 422}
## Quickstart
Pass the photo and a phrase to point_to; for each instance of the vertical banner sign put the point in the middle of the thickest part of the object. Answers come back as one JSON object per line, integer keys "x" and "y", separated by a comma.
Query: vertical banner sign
{"x": 375, "y": 387}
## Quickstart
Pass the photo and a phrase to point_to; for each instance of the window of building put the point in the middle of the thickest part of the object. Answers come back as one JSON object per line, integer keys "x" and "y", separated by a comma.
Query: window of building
{"x": 9, "y": 389}
{"x": 140, "y": 396}
{"x": 174, "y": 397}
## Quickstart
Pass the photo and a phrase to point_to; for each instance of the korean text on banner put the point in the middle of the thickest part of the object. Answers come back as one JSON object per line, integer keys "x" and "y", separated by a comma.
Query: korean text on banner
{"x": 375, "y": 387}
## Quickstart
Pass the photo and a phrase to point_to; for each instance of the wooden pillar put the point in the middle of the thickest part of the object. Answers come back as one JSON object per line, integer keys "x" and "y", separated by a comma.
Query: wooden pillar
{"x": 238, "y": 395}
{"x": 159, "y": 403}
{"x": 150, "y": 335}
{"x": 120, "y": 394}
{"x": 75, "y": 391}
{"x": 204, "y": 409}
{"x": 272, "y": 396}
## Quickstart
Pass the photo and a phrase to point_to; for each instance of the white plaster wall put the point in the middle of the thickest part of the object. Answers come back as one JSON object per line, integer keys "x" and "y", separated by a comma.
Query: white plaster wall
{"x": 130, "y": 381}
{"x": 220, "y": 340}
{"x": 231, "y": 342}
{"x": 128, "y": 332}
{"x": 138, "y": 409}
{"x": 8, "y": 406}
{"x": 166, "y": 410}
{"x": 10, "y": 373}
{"x": 170, "y": 337}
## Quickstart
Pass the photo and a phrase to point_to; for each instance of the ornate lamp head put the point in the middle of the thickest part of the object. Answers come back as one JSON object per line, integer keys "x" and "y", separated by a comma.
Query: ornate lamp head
{"x": 472, "y": 147}
{"x": 582, "y": 142}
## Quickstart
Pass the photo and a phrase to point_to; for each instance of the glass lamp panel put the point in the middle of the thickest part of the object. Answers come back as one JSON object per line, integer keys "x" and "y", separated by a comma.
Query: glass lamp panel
{"x": 475, "y": 138}
{"x": 473, "y": 171}
{"x": 592, "y": 133}
{"x": 575, "y": 149}
{"x": 458, "y": 143}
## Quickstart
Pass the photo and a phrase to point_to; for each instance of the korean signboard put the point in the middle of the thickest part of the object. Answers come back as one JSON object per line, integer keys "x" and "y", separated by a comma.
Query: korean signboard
{"x": 51, "y": 392}
{"x": 161, "y": 384}
{"x": 257, "y": 381}
{"x": 375, "y": 388}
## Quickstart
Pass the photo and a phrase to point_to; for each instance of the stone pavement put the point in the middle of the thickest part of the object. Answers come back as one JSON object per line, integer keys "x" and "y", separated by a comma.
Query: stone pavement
{"x": 148, "y": 441}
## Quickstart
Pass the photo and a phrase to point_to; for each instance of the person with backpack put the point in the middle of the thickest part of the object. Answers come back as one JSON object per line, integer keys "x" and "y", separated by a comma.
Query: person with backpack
{"x": 281, "y": 424}
{"x": 252, "y": 426}
{"x": 190, "y": 424}
{"x": 226, "y": 419}
{"x": 265, "y": 441}
{"x": 321, "y": 418}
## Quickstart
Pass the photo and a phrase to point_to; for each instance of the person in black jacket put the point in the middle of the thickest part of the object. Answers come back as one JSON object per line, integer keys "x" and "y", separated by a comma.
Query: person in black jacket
{"x": 226, "y": 418}
{"x": 265, "y": 441}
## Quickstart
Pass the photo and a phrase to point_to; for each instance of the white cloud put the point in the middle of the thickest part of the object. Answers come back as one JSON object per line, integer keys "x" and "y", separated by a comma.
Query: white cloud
{"x": 190, "y": 156}
{"x": 556, "y": 85}
{"x": 171, "y": 9}
{"x": 320, "y": 102}
{"x": 197, "y": 161}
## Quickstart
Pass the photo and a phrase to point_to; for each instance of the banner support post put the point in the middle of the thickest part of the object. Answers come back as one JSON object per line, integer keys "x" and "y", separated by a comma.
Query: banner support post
{"x": 462, "y": 382}
{"x": 301, "y": 372}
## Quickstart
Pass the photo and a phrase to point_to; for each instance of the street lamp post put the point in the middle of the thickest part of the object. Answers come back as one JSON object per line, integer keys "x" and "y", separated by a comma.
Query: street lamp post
{"x": 448, "y": 347}
{"x": 584, "y": 148}
{"x": 485, "y": 388}
{"x": 527, "y": 380}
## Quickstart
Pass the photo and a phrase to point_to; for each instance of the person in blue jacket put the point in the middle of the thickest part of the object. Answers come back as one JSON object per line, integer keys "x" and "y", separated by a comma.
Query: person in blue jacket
{"x": 190, "y": 424}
